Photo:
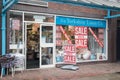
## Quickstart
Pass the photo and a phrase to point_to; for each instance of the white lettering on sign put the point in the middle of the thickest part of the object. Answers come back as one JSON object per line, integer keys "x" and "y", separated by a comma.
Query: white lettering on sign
{"x": 69, "y": 48}
{"x": 81, "y": 36}
{"x": 81, "y": 42}
{"x": 69, "y": 58}
{"x": 80, "y": 30}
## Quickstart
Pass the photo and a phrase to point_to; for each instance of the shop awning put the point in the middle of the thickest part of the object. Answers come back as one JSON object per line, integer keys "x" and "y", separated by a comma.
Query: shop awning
{"x": 109, "y": 5}
{"x": 101, "y": 4}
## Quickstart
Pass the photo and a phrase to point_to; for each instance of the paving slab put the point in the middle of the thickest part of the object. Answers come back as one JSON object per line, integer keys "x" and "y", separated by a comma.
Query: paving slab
{"x": 101, "y": 71}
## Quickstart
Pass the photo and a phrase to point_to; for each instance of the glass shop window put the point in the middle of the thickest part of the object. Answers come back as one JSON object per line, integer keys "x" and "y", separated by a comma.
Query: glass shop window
{"x": 89, "y": 42}
{"x": 39, "y": 17}
{"x": 15, "y": 32}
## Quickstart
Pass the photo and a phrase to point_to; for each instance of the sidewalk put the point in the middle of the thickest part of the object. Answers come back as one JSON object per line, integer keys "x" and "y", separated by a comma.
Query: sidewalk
{"x": 109, "y": 76}
{"x": 85, "y": 72}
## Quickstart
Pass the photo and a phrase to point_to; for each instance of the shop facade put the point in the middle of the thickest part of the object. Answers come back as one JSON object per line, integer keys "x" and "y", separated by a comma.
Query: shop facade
{"x": 55, "y": 34}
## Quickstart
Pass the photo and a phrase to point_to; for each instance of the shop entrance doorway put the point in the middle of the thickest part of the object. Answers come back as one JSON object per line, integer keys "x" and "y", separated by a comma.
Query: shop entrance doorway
{"x": 39, "y": 45}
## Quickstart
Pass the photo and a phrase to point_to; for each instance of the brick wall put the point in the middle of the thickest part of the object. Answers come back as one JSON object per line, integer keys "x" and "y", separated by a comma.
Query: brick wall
{"x": 74, "y": 9}
{"x": 63, "y": 9}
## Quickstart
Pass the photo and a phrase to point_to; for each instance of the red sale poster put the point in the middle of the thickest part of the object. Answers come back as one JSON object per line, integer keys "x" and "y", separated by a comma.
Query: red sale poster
{"x": 81, "y": 37}
{"x": 69, "y": 54}
{"x": 16, "y": 24}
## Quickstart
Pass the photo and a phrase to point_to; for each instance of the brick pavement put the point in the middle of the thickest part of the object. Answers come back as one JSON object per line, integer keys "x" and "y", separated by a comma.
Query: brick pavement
{"x": 86, "y": 70}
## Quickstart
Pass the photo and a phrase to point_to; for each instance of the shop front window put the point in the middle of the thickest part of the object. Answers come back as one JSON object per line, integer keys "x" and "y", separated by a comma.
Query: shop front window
{"x": 15, "y": 32}
{"x": 89, "y": 42}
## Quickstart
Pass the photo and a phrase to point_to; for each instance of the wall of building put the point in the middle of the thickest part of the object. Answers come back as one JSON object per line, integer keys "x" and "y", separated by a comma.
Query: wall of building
{"x": 118, "y": 40}
{"x": 112, "y": 38}
{"x": 112, "y": 29}
{"x": 113, "y": 44}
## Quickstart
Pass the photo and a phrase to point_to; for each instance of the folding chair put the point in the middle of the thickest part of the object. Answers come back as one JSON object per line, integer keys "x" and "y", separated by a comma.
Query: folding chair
{"x": 7, "y": 62}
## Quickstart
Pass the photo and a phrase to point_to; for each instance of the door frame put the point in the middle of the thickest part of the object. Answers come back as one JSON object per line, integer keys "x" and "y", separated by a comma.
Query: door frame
{"x": 47, "y": 45}
{"x": 53, "y": 44}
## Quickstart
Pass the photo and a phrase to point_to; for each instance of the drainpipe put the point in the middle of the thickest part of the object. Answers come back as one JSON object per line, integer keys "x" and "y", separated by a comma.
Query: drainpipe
{"x": 108, "y": 14}
{"x": 3, "y": 35}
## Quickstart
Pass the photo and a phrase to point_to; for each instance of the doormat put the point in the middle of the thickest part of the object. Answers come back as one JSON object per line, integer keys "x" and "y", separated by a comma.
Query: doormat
{"x": 117, "y": 72}
{"x": 70, "y": 67}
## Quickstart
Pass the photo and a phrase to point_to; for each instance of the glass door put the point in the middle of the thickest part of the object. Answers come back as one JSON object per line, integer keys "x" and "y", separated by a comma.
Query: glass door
{"x": 47, "y": 47}
{"x": 32, "y": 41}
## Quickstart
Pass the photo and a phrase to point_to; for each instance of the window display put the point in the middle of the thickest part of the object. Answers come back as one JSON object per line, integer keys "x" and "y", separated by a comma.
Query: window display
{"x": 15, "y": 32}
{"x": 88, "y": 42}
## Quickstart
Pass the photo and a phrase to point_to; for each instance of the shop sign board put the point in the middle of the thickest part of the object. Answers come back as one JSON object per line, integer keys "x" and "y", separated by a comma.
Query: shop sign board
{"x": 69, "y": 54}
{"x": 62, "y": 20}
